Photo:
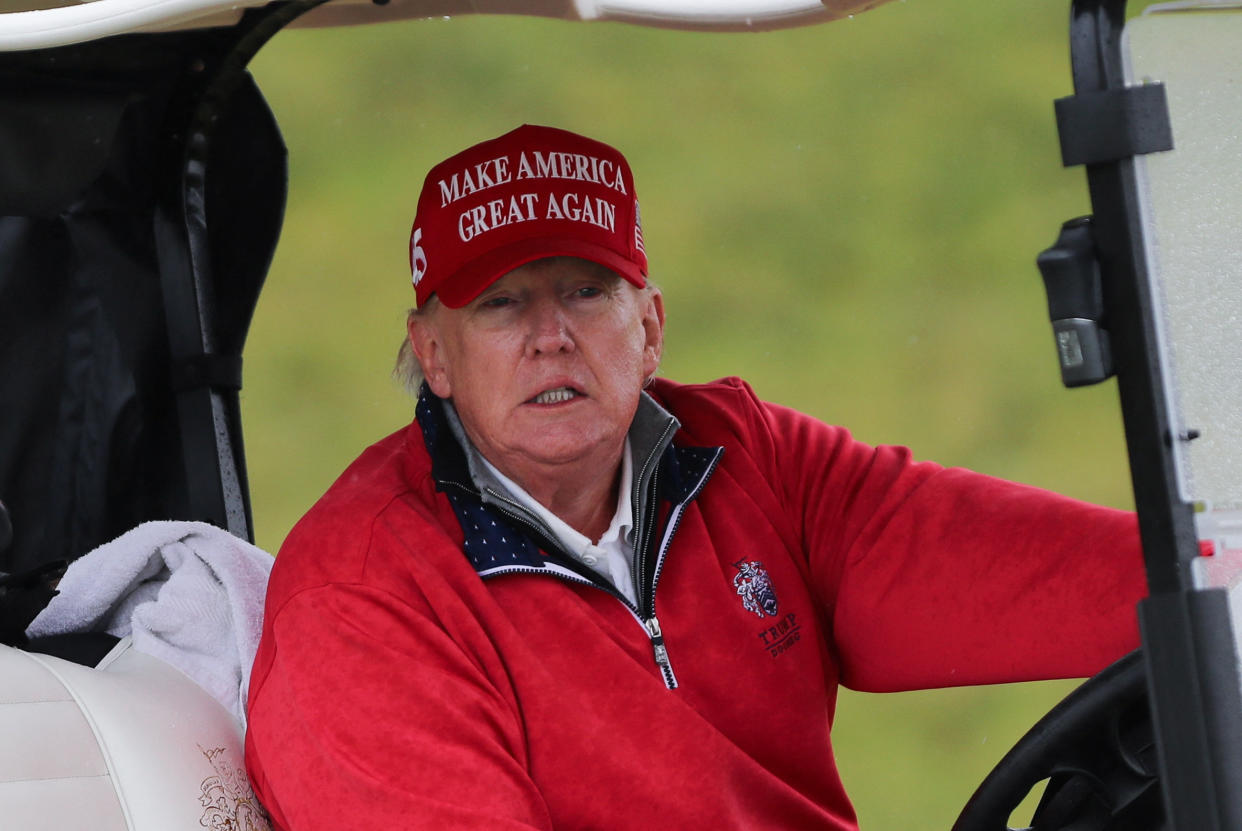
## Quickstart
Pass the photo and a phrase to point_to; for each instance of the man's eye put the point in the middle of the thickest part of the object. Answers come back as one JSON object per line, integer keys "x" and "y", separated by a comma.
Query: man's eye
{"x": 496, "y": 302}
{"x": 588, "y": 291}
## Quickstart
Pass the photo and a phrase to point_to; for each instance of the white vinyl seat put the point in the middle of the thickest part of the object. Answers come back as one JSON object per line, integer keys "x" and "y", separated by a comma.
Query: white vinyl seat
{"x": 130, "y": 745}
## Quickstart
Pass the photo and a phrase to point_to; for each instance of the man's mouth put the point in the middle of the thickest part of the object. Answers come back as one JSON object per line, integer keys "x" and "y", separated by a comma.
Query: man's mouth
{"x": 556, "y": 396}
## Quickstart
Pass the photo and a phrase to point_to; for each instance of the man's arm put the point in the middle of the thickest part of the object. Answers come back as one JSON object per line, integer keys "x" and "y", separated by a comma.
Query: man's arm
{"x": 368, "y": 714}
{"x": 972, "y": 580}
{"x": 938, "y": 577}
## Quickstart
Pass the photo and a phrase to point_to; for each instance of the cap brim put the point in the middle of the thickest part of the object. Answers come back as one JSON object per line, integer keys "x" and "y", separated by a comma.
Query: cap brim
{"x": 470, "y": 280}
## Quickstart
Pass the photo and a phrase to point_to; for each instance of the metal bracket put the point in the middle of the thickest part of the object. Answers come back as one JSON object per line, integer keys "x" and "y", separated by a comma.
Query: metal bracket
{"x": 1115, "y": 124}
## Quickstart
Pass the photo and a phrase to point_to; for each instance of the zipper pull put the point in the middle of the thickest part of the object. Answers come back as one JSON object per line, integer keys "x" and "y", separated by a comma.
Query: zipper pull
{"x": 652, "y": 624}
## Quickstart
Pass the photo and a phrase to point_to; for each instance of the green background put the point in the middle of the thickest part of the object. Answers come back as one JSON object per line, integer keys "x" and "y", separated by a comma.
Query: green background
{"x": 846, "y": 215}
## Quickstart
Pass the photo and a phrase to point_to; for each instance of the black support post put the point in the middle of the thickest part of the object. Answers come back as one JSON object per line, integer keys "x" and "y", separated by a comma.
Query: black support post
{"x": 1187, "y": 632}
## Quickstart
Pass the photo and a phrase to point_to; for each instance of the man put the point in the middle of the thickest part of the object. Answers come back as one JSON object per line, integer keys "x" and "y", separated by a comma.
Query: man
{"x": 569, "y": 596}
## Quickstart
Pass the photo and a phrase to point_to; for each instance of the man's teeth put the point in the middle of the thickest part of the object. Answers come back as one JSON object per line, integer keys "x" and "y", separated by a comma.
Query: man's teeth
{"x": 555, "y": 396}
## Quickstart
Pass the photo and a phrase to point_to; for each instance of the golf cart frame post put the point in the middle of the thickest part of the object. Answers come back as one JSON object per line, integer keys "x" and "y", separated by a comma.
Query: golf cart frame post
{"x": 1188, "y": 639}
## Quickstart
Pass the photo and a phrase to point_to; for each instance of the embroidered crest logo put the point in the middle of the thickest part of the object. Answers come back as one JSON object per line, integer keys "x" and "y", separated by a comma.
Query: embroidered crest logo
{"x": 755, "y": 588}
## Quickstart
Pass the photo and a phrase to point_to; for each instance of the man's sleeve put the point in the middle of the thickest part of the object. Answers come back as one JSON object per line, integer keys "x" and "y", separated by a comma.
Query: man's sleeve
{"x": 935, "y": 577}
{"x": 370, "y": 715}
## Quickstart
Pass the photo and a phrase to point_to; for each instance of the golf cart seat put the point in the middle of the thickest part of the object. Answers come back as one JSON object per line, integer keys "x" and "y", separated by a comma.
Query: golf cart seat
{"x": 130, "y": 745}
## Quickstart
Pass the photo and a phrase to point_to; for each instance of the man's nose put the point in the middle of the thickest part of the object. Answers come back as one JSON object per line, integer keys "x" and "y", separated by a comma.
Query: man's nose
{"x": 549, "y": 329}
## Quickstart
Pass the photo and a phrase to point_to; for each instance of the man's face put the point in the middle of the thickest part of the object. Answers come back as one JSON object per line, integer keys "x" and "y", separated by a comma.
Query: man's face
{"x": 545, "y": 366}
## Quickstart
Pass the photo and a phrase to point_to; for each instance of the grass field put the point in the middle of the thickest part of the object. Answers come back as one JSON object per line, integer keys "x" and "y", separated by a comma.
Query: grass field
{"x": 846, "y": 215}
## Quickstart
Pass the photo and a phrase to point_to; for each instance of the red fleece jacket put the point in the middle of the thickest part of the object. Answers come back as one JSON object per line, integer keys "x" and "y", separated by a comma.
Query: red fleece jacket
{"x": 396, "y": 689}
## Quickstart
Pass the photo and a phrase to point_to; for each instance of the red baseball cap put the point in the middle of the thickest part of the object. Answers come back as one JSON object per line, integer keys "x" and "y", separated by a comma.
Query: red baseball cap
{"x": 532, "y": 193}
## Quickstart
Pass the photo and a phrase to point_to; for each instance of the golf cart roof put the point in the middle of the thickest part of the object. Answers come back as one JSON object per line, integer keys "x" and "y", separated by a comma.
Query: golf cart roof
{"x": 38, "y": 24}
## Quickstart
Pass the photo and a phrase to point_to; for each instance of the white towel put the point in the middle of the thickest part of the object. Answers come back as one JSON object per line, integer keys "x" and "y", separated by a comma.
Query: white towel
{"x": 188, "y": 593}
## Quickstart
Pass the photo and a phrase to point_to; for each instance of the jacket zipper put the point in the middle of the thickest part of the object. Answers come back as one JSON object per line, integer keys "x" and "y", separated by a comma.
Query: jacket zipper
{"x": 670, "y": 528}
{"x": 645, "y": 593}
{"x": 652, "y": 625}
{"x": 647, "y": 589}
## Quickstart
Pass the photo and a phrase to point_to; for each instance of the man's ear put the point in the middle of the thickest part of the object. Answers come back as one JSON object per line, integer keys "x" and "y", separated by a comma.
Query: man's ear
{"x": 653, "y": 328}
{"x": 428, "y": 349}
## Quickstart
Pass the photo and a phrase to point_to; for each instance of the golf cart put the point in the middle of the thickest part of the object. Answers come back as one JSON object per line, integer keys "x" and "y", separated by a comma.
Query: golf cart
{"x": 181, "y": 136}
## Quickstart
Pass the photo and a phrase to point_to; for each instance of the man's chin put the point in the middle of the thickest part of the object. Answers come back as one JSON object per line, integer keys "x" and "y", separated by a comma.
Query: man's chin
{"x": 554, "y": 447}
{"x": 556, "y": 454}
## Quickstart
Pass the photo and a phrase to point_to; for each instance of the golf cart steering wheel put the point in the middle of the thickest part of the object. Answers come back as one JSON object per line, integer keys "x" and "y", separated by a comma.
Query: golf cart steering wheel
{"x": 1097, "y": 752}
